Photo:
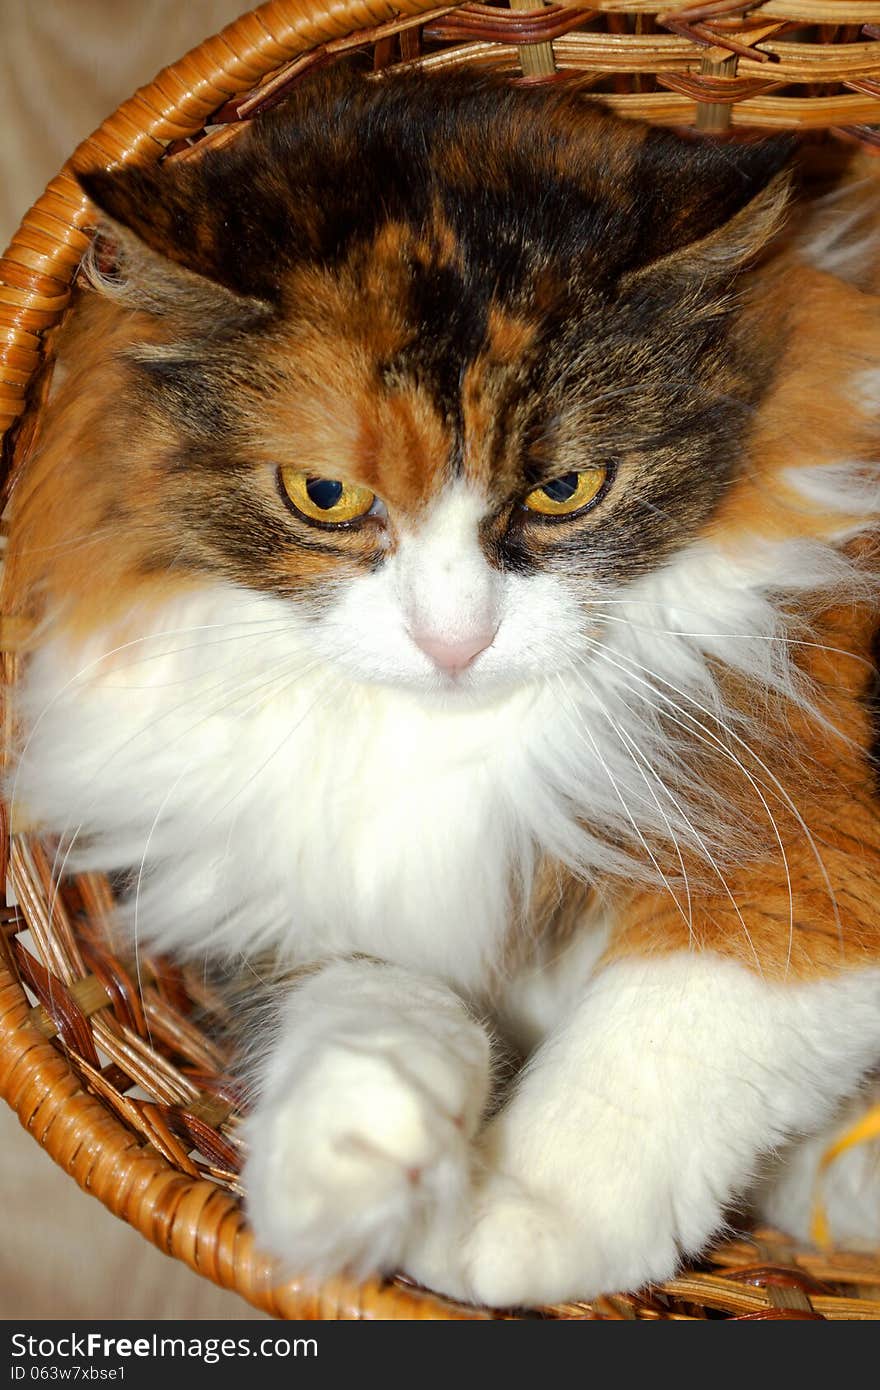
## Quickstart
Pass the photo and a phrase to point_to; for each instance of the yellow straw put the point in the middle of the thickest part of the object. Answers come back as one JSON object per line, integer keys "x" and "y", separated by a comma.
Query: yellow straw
{"x": 862, "y": 1132}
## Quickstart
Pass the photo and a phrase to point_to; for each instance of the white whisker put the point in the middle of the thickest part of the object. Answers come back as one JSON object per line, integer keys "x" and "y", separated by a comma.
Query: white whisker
{"x": 727, "y": 752}
{"x": 603, "y": 763}
{"x": 641, "y": 763}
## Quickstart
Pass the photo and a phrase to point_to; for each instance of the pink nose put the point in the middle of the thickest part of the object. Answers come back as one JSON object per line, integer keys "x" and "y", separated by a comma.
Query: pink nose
{"x": 453, "y": 657}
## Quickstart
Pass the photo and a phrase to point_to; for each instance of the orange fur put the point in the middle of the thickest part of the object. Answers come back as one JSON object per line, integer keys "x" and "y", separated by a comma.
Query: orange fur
{"x": 340, "y": 407}
{"x": 811, "y": 415}
{"x": 64, "y": 549}
{"x": 831, "y": 922}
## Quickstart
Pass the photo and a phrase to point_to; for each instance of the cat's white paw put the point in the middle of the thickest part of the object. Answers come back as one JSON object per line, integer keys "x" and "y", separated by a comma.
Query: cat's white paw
{"x": 556, "y": 1214}
{"x": 516, "y": 1247}
{"x": 508, "y": 1247}
{"x": 520, "y": 1249}
{"x": 371, "y": 1135}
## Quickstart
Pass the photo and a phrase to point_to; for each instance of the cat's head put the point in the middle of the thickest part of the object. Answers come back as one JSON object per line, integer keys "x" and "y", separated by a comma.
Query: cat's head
{"x": 438, "y": 359}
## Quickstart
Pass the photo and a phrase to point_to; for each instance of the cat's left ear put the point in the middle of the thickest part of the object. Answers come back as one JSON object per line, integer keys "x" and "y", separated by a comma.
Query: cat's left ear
{"x": 710, "y": 209}
{"x": 178, "y": 220}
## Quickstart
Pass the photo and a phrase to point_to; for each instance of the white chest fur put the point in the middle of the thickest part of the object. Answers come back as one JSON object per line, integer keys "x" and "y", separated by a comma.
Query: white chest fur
{"x": 268, "y": 796}
{"x": 266, "y": 801}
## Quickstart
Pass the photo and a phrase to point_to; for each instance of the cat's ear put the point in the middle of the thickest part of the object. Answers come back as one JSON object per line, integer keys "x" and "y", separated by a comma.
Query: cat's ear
{"x": 175, "y": 232}
{"x": 709, "y": 209}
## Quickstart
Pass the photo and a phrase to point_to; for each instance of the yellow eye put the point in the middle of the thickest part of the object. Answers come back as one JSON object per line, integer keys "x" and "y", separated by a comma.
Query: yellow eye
{"x": 328, "y": 500}
{"x": 569, "y": 494}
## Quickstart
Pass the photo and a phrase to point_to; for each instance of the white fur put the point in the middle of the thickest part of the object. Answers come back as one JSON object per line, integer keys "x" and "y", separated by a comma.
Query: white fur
{"x": 401, "y": 810}
{"x": 309, "y": 783}
{"x": 439, "y": 580}
{"x": 640, "y": 1121}
{"x": 378, "y": 1084}
{"x": 840, "y": 236}
{"x": 847, "y": 1190}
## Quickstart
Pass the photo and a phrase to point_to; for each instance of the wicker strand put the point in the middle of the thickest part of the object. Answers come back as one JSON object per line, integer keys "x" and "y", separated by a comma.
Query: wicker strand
{"x": 537, "y": 59}
{"x": 195, "y": 1221}
{"x": 36, "y": 271}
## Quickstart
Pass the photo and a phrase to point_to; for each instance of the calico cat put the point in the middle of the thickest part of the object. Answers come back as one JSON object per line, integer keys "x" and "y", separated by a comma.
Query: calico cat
{"x": 452, "y": 543}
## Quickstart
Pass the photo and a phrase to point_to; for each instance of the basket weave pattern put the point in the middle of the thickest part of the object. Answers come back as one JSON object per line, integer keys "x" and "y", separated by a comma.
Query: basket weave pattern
{"x": 107, "y": 1068}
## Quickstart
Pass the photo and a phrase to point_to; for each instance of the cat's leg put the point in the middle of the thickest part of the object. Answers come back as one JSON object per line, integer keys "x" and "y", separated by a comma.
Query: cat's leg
{"x": 635, "y": 1126}
{"x": 368, "y": 1100}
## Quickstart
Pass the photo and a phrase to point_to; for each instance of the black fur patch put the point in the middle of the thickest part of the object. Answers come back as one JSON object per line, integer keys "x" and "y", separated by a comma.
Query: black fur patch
{"x": 532, "y": 206}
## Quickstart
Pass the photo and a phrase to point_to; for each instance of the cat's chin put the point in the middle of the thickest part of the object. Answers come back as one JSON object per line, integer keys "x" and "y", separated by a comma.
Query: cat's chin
{"x": 469, "y": 690}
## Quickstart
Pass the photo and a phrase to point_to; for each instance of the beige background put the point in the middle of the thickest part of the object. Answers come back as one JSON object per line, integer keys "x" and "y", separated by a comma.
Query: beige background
{"x": 64, "y": 65}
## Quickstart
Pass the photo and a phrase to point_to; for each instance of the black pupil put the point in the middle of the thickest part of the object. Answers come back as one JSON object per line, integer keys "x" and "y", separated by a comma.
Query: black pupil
{"x": 324, "y": 492}
{"x": 562, "y": 489}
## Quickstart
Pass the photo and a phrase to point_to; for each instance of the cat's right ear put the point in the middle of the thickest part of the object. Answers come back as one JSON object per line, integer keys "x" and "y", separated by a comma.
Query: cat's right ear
{"x": 171, "y": 238}
{"x": 707, "y": 210}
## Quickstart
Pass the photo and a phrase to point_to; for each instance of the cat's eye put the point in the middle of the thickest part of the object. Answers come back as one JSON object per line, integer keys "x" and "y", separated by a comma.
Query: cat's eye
{"x": 327, "y": 500}
{"x": 565, "y": 496}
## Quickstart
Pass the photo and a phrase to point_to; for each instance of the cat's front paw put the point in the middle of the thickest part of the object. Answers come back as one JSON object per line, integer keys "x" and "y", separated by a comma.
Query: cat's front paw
{"x": 515, "y": 1246}
{"x": 507, "y": 1248}
{"x": 371, "y": 1135}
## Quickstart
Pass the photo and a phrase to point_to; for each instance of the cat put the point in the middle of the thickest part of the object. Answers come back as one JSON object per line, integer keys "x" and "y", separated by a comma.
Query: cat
{"x": 451, "y": 539}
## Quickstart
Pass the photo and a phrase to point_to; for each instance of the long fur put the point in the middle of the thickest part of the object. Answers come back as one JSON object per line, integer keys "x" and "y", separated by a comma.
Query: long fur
{"x": 224, "y": 709}
{"x": 636, "y": 836}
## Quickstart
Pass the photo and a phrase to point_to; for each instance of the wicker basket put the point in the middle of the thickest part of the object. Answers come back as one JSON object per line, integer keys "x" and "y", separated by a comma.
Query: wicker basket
{"x": 75, "y": 1063}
